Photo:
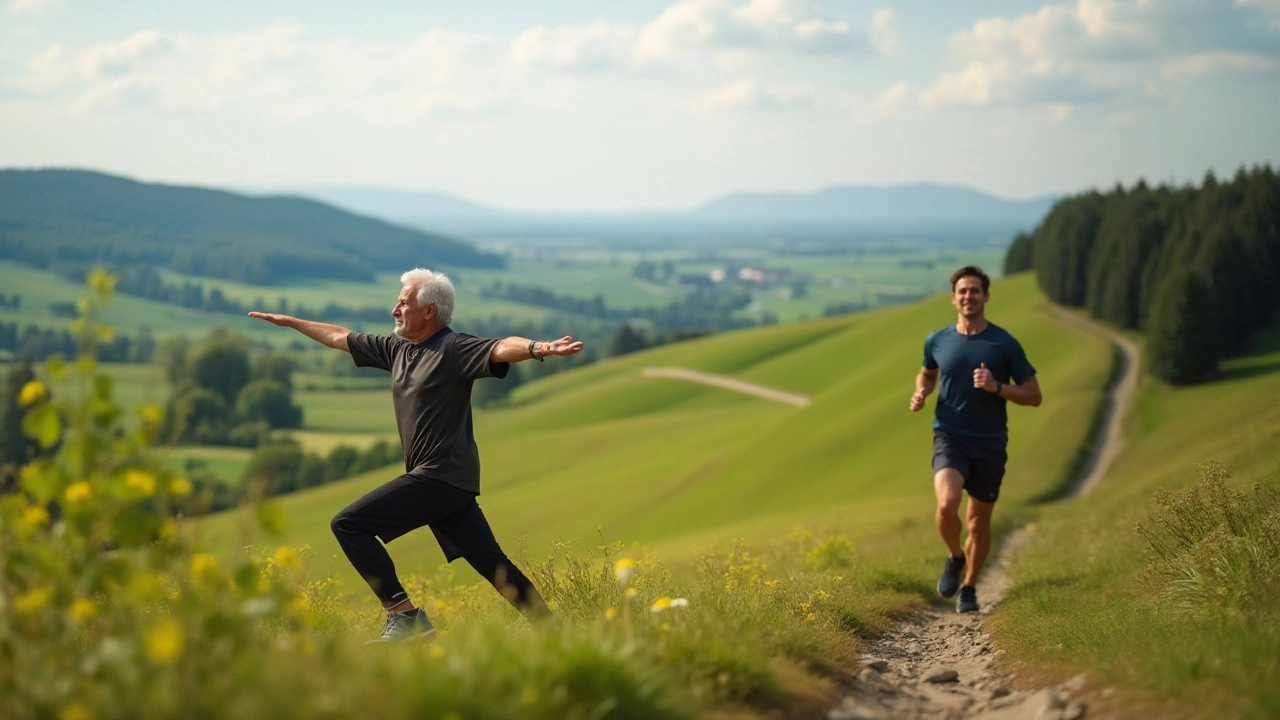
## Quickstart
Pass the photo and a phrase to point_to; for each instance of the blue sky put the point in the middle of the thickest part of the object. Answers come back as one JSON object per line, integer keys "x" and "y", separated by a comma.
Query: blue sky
{"x": 641, "y": 104}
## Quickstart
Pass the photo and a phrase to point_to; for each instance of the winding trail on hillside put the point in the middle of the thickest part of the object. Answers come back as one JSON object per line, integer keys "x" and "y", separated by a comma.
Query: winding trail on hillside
{"x": 726, "y": 383}
{"x": 939, "y": 664}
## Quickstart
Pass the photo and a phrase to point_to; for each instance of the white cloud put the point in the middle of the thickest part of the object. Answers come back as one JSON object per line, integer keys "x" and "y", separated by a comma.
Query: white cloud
{"x": 34, "y": 7}
{"x": 747, "y": 94}
{"x": 1219, "y": 63}
{"x": 884, "y": 32}
{"x": 1094, "y": 50}
{"x": 795, "y": 26}
{"x": 587, "y": 47}
{"x": 278, "y": 71}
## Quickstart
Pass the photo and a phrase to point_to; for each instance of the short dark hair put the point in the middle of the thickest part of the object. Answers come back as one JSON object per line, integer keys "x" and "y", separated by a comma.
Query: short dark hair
{"x": 971, "y": 271}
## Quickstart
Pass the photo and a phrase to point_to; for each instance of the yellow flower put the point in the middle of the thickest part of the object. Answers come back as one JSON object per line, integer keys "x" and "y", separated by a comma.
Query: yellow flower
{"x": 75, "y": 711}
{"x": 78, "y": 492}
{"x": 32, "y": 600}
{"x": 32, "y": 393}
{"x": 441, "y": 605}
{"x": 82, "y": 610}
{"x": 203, "y": 566}
{"x": 286, "y": 557}
{"x": 772, "y": 583}
{"x": 151, "y": 414}
{"x": 35, "y": 516}
{"x": 437, "y": 651}
{"x": 143, "y": 482}
{"x": 299, "y": 604}
{"x": 660, "y": 605}
{"x": 629, "y": 594}
{"x": 611, "y": 613}
{"x": 624, "y": 569}
{"x": 169, "y": 530}
{"x": 180, "y": 487}
{"x": 102, "y": 282}
{"x": 164, "y": 641}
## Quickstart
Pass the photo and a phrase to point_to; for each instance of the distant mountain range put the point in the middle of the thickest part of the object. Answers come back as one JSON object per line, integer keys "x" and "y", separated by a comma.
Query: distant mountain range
{"x": 854, "y": 208}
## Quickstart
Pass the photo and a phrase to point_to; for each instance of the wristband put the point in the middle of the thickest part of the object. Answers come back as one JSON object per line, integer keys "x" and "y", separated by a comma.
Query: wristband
{"x": 999, "y": 387}
{"x": 532, "y": 354}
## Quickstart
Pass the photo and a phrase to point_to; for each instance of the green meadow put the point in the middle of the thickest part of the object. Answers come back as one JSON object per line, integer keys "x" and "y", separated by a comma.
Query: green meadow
{"x": 678, "y": 468}
{"x": 1086, "y": 597}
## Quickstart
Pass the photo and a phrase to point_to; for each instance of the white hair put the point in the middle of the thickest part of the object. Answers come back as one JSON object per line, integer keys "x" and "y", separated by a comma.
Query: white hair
{"x": 433, "y": 289}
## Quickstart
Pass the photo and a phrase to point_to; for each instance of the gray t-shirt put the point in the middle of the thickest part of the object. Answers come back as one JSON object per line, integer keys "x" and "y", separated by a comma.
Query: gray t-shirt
{"x": 964, "y": 410}
{"x": 431, "y": 391}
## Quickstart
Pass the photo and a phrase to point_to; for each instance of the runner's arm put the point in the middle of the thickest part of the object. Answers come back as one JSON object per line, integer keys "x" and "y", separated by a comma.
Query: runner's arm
{"x": 334, "y": 336}
{"x": 516, "y": 349}
{"x": 925, "y": 382}
{"x": 1026, "y": 392}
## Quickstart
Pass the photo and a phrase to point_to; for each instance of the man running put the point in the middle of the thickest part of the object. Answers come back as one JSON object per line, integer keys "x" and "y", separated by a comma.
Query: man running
{"x": 432, "y": 369}
{"x": 970, "y": 427}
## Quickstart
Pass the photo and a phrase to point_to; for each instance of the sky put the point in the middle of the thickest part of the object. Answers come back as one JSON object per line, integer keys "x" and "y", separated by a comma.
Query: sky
{"x": 582, "y": 105}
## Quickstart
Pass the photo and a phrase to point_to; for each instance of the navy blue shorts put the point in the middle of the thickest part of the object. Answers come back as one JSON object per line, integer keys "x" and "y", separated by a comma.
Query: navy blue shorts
{"x": 981, "y": 467}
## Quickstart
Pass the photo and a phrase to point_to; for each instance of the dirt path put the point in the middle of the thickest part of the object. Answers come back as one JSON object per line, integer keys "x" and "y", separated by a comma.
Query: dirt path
{"x": 726, "y": 383}
{"x": 940, "y": 664}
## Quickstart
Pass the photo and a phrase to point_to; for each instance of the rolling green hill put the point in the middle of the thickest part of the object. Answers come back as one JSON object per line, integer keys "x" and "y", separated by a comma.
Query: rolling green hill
{"x": 1085, "y": 596}
{"x": 677, "y": 467}
{"x": 71, "y": 217}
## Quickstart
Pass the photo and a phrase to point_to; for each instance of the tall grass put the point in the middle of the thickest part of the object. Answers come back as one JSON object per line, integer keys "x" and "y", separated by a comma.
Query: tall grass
{"x": 1216, "y": 549}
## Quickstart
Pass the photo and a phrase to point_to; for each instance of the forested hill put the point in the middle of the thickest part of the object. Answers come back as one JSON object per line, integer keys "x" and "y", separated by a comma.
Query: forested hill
{"x": 1195, "y": 268}
{"x": 61, "y": 219}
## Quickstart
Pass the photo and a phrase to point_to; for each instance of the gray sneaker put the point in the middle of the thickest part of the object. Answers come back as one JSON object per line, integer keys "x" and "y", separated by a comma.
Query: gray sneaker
{"x": 401, "y": 626}
{"x": 968, "y": 601}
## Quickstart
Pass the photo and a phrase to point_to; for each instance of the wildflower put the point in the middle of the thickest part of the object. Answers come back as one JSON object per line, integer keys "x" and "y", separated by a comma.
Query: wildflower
{"x": 180, "y": 487}
{"x": 771, "y": 584}
{"x": 32, "y": 600}
{"x": 629, "y": 594}
{"x": 168, "y": 530}
{"x": 35, "y": 516}
{"x": 143, "y": 482}
{"x": 203, "y": 566}
{"x": 624, "y": 570}
{"x": 821, "y": 595}
{"x": 298, "y": 604}
{"x": 164, "y": 641}
{"x": 78, "y": 492}
{"x": 32, "y": 393}
{"x": 82, "y": 610}
{"x": 679, "y": 603}
{"x": 441, "y": 605}
{"x": 286, "y": 557}
{"x": 660, "y": 605}
{"x": 102, "y": 282}
{"x": 151, "y": 414}
{"x": 611, "y": 613}
{"x": 75, "y": 711}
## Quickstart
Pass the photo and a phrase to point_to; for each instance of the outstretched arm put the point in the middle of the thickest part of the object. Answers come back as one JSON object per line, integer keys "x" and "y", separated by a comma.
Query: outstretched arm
{"x": 334, "y": 336}
{"x": 925, "y": 382}
{"x": 515, "y": 349}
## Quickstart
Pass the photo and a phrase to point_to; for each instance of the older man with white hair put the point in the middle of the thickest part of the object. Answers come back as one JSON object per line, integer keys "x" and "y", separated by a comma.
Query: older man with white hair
{"x": 432, "y": 369}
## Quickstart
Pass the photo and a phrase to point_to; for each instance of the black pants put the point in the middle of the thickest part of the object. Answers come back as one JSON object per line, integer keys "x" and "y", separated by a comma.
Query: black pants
{"x": 409, "y": 502}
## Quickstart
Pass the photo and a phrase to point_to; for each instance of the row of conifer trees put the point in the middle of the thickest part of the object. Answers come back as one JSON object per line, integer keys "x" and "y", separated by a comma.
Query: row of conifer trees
{"x": 1197, "y": 269}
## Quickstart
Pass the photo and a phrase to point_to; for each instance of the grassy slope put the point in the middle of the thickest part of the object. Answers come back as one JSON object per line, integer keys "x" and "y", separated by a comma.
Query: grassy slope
{"x": 678, "y": 467}
{"x": 1083, "y": 600}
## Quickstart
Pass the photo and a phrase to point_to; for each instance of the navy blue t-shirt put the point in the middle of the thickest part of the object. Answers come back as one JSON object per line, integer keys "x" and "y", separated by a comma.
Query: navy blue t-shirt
{"x": 963, "y": 410}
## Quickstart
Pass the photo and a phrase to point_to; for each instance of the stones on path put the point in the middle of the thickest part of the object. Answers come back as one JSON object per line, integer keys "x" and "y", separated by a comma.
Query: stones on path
{"x": 876, "y": 664}
{"x": 1075, "y": 711}
{"x": 942, "y": 674}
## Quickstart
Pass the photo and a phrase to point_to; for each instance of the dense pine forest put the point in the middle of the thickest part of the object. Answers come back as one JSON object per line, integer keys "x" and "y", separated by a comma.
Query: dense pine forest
{"x": 1197, "y": 269}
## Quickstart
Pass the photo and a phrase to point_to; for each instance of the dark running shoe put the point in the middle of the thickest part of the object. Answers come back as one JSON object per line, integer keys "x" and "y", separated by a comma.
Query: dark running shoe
{"x": 968, "y": 601}
{"x": 402, "y": 626}
{"x": 949, "y": 583}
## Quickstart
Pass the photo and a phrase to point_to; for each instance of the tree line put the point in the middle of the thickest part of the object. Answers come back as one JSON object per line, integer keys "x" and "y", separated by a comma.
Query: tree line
{"x": 1195, "y": 268}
